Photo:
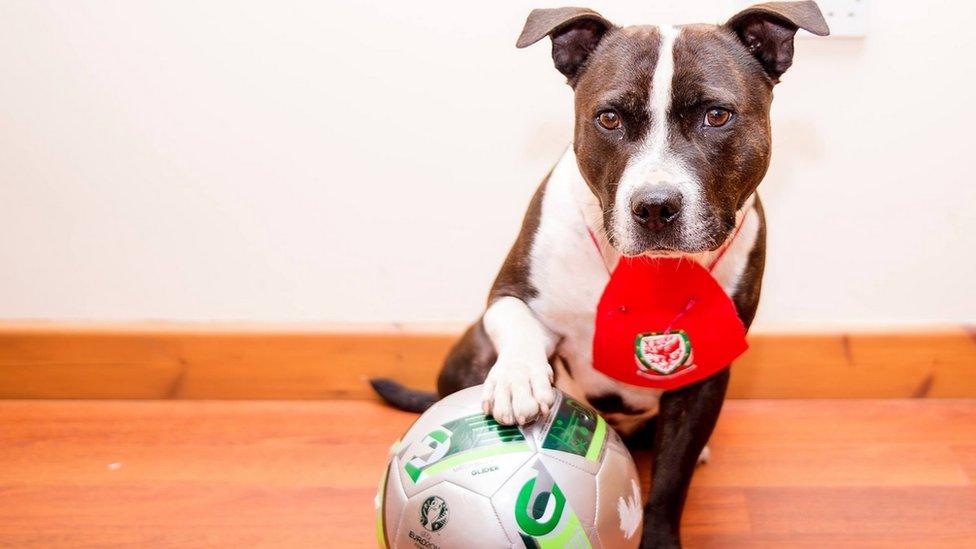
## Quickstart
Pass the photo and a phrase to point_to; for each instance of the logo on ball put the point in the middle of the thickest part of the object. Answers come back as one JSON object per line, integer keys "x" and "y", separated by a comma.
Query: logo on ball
{"x": 433, "y": 514}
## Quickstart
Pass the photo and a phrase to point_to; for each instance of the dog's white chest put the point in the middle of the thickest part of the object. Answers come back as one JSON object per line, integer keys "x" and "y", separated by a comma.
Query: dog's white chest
{"x": 569, "y": 275}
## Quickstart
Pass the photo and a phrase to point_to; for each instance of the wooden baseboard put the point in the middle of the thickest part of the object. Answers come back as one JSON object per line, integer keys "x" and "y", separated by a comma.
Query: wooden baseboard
{"x": 152, "y": 361}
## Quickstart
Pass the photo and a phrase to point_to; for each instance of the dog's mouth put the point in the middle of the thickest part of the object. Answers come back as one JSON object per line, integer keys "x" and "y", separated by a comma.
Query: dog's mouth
{"x": 669, "y": 248}
{"x": 666, "y": 252}
{"x": 690, "y": 234}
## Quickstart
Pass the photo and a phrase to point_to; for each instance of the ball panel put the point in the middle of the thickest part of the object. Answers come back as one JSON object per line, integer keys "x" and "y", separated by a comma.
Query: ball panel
{"x": 620, "y": 513}
{"x": 578, "y": 485}
{"x": 485, "y": 475}
{"x": 433, "y": 417}
{"x": 468, "y": 399}
{"x": 574, "y": 433}
{"x": 389, "y": 503}
{"x": 460, "y": 446}
{"x": 595, "y": 540}
{"x": 446, "y": 516}
{"x": 540, "y": 509}
{"x": 614, "y": 442}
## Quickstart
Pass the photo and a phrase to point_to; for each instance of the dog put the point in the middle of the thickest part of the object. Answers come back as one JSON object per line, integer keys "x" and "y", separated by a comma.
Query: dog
{"x": 671, "y": 140}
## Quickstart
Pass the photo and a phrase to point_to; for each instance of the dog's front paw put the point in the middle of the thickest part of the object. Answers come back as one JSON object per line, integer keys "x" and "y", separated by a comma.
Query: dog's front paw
{"x": 518, "y": 392}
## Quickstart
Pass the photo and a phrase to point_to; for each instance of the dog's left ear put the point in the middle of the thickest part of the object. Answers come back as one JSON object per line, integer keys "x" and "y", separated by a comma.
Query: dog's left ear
{"x": 767, "y": 31}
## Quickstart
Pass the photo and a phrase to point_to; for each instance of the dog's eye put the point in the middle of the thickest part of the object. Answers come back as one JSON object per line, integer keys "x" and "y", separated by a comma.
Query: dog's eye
{"x": 608, "y": 120}
{"x": 716, "y": 118}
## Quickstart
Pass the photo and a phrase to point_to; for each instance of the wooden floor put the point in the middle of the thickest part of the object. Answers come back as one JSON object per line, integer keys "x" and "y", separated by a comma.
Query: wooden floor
{"x": 788, "y": 473}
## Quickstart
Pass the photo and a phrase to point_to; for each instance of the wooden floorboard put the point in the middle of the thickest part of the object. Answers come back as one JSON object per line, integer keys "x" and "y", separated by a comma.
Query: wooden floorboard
{"x": 804, "y": 473}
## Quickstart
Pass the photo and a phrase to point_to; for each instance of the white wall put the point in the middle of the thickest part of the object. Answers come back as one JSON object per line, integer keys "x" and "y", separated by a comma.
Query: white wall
{"x": 370, "y": 161}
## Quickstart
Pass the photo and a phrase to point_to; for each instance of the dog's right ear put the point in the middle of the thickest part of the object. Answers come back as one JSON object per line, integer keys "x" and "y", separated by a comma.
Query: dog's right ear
{"x": 575, "y": 33}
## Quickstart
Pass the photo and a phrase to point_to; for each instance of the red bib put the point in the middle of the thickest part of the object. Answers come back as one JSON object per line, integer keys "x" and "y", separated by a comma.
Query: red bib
{"x": 664, "y": 324}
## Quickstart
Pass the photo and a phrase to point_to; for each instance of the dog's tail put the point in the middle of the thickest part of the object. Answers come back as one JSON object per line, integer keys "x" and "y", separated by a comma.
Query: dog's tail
{"x": 404, "y": 398}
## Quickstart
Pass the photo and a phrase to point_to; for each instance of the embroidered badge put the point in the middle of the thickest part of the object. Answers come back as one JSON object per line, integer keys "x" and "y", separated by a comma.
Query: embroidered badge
{"x": 663, "y": 353}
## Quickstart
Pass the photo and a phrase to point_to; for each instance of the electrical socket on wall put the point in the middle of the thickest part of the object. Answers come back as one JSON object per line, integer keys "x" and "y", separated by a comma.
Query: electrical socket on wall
{"x": 846, "y": 18}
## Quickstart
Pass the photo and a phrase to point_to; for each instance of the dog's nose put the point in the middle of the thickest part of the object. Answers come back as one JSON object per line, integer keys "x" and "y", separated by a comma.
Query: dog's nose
{"x": 656, "y": 208}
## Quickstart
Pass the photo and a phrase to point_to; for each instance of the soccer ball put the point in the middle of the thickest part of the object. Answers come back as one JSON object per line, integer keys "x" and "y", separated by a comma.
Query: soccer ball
{"x": 459, "y": 479}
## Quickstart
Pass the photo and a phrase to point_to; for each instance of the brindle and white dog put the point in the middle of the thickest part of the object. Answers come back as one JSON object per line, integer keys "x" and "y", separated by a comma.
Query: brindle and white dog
{"x": 672, "y": 138}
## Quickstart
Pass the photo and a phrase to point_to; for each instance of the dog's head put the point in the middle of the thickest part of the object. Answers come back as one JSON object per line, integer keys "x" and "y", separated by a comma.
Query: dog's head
{"x": 672, "y": 123}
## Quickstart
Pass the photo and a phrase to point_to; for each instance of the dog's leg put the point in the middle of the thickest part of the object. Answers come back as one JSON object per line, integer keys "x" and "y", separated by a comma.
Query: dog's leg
{"x": 468, "y": 362}
{"x": 684, "y": 423}
{"x": 518, "y": 388}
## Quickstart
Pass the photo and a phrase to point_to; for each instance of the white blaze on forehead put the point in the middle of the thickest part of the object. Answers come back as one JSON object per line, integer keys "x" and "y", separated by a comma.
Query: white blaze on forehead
{"x": 660, "y": 100}
{"x": 655, "y": 162}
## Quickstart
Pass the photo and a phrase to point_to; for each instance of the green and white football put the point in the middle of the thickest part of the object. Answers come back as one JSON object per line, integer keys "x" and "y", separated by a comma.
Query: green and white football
{"x": 459, "y": 479}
